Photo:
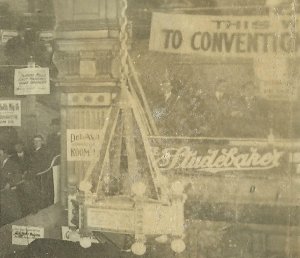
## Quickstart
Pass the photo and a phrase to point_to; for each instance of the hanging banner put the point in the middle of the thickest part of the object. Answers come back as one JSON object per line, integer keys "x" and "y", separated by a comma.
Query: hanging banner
{"x": 24, "y": 235}
{"x": 32, "y": 81}
{"x": 201, "y": 156}
{"x": 10, "y": 112}
{"x": 221, "y": 36}
{"x": 83, "y": 144}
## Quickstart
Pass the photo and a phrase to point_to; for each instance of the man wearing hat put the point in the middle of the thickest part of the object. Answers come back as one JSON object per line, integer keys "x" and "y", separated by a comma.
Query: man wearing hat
{"x": 41, "y": 172}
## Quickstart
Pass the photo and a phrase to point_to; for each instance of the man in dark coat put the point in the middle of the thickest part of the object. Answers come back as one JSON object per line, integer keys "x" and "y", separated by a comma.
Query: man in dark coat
{"x": 53, "y": 139}
{"x": 172, "y": 91}
{"x": 11, "y": 176}
{"x": 41, "y": 171}
{"x": 218, "y": 110}
{"x": 8, "y": 136}
{"x": 24, "y": 190}
{"x": 22, "y": 156}
{"x": 251, "y": 119}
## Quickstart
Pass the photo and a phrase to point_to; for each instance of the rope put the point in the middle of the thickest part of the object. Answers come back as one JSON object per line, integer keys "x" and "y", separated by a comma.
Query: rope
{"x": 123, "y": 40}
{"x": 154, "y": 170}
{"x": 123, "y": 37}
{"x": 106, "y": 155}
{"x": 38, "y": 174}
{"x": 94, "y": 162}
{"x": 143, "y": 96}
{"x": 140, "y": 108}
{"x": 51, "y": 166}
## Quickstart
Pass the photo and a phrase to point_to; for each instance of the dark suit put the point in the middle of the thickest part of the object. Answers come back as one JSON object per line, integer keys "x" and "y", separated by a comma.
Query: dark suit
{"x": 53, "y": 144}
{"x": 26, "y": 189}
{"x": 218, "y": 114}
{"x": 252, "y": 121}
{"x": 23, "y": 161}
{"x": 10, "y": 205}
{"x": 40, "y": 162}
{"x": 10, "y": 173}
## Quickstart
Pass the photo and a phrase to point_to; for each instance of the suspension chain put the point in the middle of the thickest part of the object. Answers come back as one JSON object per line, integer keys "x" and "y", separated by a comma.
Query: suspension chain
{"x": 123, "y": 42}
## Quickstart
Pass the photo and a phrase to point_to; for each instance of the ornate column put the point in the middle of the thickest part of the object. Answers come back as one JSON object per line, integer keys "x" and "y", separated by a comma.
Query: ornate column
{"x": 87, "y": 58}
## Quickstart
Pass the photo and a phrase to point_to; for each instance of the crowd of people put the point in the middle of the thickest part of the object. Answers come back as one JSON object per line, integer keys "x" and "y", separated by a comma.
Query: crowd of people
{"x": 26, "y": 176}
{"x": 189, "y": 110}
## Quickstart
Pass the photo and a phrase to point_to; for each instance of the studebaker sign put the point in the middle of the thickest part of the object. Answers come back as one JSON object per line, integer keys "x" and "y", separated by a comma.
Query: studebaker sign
{"x": 220, "y": 156}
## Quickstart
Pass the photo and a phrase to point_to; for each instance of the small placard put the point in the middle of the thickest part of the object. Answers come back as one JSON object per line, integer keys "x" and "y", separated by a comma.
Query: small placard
{"x": 10, "y": 112}
{"x": 111, "y": 220}
{"x": 83, "y": 144}
{"x": 24, "y": 235}
{"x": 32, "y": 81}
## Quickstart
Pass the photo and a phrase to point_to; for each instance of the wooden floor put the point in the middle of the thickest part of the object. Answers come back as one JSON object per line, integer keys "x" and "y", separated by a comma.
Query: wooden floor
{"x": 51, "y": 218}
{"x": 204, "y": 239}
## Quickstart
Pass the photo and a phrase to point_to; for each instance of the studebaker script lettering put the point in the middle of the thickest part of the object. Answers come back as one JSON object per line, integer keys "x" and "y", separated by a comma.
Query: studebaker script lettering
{"x": 217, "y": 160}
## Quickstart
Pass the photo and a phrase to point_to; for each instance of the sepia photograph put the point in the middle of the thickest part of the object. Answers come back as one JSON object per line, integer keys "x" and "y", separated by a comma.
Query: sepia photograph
{"x": 149, "y": 128}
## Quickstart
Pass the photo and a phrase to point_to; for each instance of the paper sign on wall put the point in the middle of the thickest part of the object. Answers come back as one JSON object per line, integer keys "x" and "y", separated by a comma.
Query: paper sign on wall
{"x": 24, "y": 235}
{"x": 10, "y": 113}
{"x": 32, "y": 81}
{"x": 83, "y": 144}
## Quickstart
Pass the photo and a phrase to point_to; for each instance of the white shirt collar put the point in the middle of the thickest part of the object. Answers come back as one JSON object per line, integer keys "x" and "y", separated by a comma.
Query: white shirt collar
{"x": 167, "y": 96}
{"x": 219, "y": 95}
{"x": 4, "y": 162}
{"x": 20, "y": 154}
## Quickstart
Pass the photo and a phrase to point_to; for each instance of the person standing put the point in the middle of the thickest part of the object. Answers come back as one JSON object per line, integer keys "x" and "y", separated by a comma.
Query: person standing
{"x": 172, "y": 91}
{"x": 8, "y": 135}
{"x": 250, "y": 113}
{"x": 218, "y": 110}
{"x": 53, "y": 139}
{"x": 22, "y": 157}
{"x": 10, "y": 177}
{"x": 53, "y": 146}
{"x": 40, "y": 170}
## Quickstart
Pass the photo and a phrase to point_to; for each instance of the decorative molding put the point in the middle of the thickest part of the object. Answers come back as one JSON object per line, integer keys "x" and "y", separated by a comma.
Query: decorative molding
{"x": 86, "y": 99}
{"x": 96, "y": 65}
